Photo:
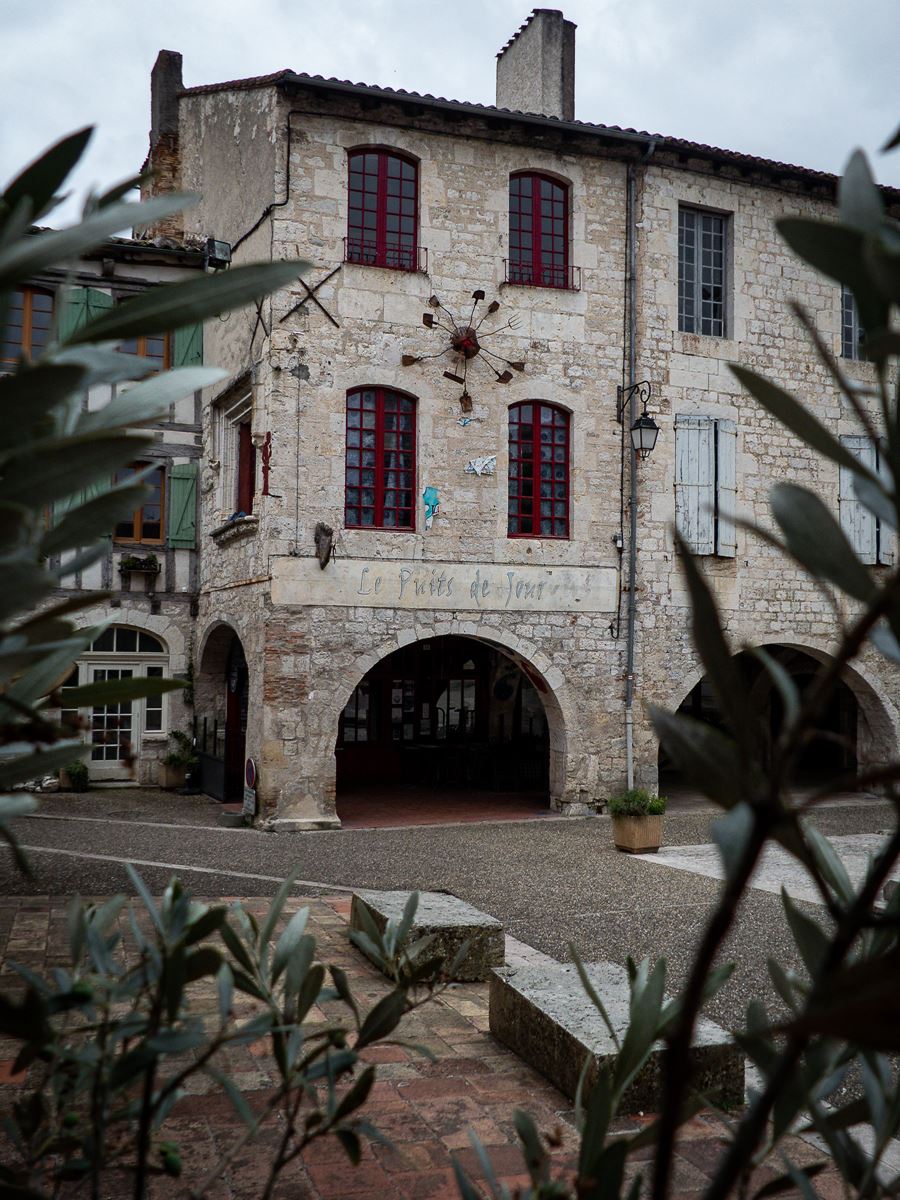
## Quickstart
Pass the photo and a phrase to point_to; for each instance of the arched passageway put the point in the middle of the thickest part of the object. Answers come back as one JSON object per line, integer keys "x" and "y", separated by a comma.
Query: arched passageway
{"x": 221, "y": 708}
{"x": 855, "y": 730}
{"x": 448, "y": 724}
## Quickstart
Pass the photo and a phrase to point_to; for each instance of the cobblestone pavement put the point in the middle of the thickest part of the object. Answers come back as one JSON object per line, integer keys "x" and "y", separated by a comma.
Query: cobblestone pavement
{"x": 425, "y": 1108}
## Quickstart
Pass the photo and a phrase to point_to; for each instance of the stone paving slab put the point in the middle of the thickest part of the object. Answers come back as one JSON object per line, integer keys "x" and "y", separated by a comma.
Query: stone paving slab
{"x": 777, "y": 869}
{"x": 449, "y": 921}
{"x": 544, "y": 1014}
{"x": 425, "y": 1108}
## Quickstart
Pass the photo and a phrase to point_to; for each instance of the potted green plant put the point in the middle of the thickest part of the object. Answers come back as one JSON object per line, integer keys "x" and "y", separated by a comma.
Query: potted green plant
{"x": 148, "y": 563}
{"x": 74, "y": 777}
{"x": 637, "y": 820}
{"x": 174, "y": 767}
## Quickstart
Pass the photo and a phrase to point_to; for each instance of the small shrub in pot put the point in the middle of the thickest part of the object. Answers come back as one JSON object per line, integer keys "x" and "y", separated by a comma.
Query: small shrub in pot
{"x": 637, "y": 820}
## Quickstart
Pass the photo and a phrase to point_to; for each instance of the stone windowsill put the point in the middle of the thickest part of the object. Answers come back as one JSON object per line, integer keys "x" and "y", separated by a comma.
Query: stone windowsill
{"x": 232, "y": 530}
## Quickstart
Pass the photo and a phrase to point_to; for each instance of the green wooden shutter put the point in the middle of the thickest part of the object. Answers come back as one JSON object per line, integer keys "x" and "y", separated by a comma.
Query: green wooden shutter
{"x": 79, "y": 306}
{"x": 183, "y": 506}
{"x": 187, "y": 348}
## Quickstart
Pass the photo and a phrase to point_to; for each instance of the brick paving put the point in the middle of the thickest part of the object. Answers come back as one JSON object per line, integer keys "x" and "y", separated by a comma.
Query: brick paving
{"x": 425, "y": 1108}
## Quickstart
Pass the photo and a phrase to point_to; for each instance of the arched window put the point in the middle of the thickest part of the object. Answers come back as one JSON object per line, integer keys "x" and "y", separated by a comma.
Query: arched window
{"x": 383, "y": 209}
{"x": 538, "y": 471}
{"x": 538, "y": 231}
{"x": 381, "y": 460}
{"x": 27, "y": 328}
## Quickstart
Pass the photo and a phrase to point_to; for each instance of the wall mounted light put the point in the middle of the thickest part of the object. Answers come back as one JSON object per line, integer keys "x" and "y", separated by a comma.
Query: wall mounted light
{"x": 644, "y": 431}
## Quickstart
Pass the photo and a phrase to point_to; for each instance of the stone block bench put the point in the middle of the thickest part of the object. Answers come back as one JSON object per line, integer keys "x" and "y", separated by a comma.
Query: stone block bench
{"x": 449, "y": 920}
{"x": 544, "y": 1014}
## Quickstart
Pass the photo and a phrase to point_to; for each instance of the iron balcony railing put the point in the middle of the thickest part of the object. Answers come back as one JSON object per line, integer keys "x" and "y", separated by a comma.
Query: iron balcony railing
{"x": 525, "y": 274}
{"x": 392, "y": 255}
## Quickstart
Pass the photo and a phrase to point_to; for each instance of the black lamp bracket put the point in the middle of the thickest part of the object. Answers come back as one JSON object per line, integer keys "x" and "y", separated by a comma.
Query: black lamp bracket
{"x": 643, "y": 391}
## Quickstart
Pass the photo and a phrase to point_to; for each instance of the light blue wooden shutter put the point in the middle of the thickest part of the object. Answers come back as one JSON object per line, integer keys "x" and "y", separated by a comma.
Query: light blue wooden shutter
{"x": 726, "y": 487}
{"x": 187, "y": 346}
{"x": 695, "y": 475}
{"x": 887, "y": 537}
{"x": 183, "y": 506}
{"x": 79, "y": 306}
{"x": 856, "y": 521}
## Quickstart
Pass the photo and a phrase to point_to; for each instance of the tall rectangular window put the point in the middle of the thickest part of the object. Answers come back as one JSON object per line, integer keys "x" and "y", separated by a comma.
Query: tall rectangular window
{"x": 381, "y": 460}
{"x": 538, "y": 504}
{"x": 853, "y": 335}
{"x": 538, "y": 231}
{"x": 246, "y": 470}
{"x": 705, "y": 484}
{"x": 27, "y": 329}
{"x": 145, "y": 524}
{"x": 701, "y": 272}
{"x": 382, "y": 210}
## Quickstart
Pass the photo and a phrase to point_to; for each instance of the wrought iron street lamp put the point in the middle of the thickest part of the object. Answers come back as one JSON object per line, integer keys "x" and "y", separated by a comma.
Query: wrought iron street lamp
{"x": 644, "y": 431}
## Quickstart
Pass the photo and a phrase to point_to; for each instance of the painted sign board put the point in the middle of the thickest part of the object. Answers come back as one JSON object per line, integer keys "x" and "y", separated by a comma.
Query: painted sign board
{"x": 447, "y": 586}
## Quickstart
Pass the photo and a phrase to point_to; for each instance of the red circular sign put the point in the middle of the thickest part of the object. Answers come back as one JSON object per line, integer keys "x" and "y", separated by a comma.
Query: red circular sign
{"x": 250, "y": 773}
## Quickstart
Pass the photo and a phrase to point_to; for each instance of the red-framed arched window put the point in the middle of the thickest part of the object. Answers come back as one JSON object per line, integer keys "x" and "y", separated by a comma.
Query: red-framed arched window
{"x": 538, "y": 231}
{"x": 380, "y": 478}
{"x": 538, "y": 471}
{"x": 383, "y": 209}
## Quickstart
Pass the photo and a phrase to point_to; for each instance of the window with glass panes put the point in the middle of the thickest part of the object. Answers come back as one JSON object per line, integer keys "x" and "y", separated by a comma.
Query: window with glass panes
{"x": 382, "y": 213}
{"x": 701, "y": 272}
{"x": 538, "y": 471}
{"x": 853, "y": 335}
{"x": 27, "y": 329}
{"x": 381, "y": 459}
{"x": 145, "y": 524}
{"x": 158, "y": 349}
{"x": 538, "y": 231}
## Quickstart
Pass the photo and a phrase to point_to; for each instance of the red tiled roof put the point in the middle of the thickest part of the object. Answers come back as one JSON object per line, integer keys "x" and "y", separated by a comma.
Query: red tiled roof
{"x": 614, "y": 132}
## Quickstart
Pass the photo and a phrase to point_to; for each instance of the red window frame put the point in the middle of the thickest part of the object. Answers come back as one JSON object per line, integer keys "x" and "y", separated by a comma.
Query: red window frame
{"x": 539, "y": 435}
{"x": 380, "y": 465}
{"x": 383, "y": 209}
{"x": 538, "y": 231}
{"x": 29, "y": 319}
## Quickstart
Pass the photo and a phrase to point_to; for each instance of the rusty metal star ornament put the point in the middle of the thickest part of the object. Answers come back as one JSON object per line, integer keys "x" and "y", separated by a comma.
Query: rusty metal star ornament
{"x": 466, "y": 339}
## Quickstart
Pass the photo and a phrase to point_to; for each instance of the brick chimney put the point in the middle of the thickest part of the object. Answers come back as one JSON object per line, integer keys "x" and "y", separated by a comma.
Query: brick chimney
{"x": 536, "y": 67}
{"x": 164, "y": 158}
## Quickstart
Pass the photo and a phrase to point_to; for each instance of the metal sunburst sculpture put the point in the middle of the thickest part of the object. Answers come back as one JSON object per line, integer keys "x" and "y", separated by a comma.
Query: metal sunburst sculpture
{"x": 466, "y": 343}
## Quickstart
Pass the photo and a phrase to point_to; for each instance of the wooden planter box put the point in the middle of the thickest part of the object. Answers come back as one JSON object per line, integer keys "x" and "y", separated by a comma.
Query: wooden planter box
{"x": 171, "y": 777}
{"x": 637, "y": 835}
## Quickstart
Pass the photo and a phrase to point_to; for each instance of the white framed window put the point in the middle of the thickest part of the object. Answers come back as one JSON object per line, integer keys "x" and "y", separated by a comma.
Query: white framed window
{"x": 853, "y": 336}
{"x": 120, "y": 652}
{"x": 705, "y": 483}
{"x": 702, "y": 271}
{"x": 874, "y": 541}
{"x": 233, "y": 448}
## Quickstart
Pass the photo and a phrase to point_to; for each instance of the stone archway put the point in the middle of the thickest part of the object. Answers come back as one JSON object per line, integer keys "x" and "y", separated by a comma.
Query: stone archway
{"x": 221, "y": 697}
{"x": 860, "y": 729}
{"x": 541, "y": 676}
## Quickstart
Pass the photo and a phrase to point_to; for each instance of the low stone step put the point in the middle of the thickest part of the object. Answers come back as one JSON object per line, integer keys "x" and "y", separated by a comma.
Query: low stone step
{"x": 544, "y": 1014}
{"x": 451, "y": 922}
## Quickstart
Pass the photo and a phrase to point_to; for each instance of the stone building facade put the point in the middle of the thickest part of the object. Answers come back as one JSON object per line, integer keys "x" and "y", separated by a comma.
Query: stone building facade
{"x": 149, "y": 574}
{"x": 466, "y": 636}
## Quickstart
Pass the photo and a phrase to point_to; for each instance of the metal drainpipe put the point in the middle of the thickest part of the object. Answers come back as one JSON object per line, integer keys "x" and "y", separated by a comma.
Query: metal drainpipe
{"x": 631, "y": 235}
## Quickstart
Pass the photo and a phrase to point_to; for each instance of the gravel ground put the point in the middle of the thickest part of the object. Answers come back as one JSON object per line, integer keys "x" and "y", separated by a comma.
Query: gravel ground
{"x": 551, "y": 882}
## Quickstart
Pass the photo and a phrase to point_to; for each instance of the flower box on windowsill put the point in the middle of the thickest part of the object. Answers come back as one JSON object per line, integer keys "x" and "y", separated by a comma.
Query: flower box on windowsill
{"x": 133, "y": 563}
{"x": 237, "y": 526}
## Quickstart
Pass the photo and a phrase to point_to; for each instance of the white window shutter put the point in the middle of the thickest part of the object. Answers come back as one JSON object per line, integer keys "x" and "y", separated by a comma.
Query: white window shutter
{"x": 856, "y": 520}
{"x": 695, "y": 481}
{"x": 887, "y": 537}
{"x": 726, "y": 487}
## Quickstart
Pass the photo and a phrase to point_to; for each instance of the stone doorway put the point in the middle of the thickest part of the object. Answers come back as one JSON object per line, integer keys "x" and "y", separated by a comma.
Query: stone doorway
{"x": 447, "y": 724}
{"x": 854, "y": 733}
{"x": 221, "y": 708}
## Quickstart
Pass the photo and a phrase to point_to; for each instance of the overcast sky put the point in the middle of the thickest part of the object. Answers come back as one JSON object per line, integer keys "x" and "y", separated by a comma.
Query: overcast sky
{"x": 801, "y": 81}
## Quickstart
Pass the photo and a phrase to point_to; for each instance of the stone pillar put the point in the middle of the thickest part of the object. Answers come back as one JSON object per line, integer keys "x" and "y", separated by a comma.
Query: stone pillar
{"x": 536, "y": 67}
